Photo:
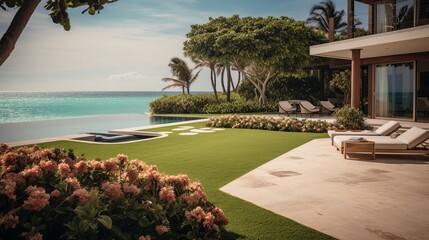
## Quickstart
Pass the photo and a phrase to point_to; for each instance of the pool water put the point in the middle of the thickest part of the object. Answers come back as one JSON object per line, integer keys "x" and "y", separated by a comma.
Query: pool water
{"x": 20, "y": 131}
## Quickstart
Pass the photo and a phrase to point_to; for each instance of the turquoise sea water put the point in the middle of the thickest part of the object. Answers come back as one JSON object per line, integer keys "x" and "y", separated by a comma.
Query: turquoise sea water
{"x": 26, "y": 116}
{"x": 33, "y": 106}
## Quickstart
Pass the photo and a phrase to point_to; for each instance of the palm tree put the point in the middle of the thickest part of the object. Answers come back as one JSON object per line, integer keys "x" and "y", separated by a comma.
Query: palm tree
{"x": 184, "y": 76}
{"x": 320, "y": 14}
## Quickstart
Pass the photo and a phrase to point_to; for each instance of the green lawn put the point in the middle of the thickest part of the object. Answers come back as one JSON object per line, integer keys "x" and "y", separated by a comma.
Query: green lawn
{"x": 216, "y": 159}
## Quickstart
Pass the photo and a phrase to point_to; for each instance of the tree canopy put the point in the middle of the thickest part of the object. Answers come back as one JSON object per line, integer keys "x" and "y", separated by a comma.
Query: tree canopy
{"x": 260, "y": 47}
{"x": 57, "y": 10}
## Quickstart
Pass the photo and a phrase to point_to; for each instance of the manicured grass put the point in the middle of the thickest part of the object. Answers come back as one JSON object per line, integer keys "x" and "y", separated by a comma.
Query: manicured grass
{"x": 216, "y": 159}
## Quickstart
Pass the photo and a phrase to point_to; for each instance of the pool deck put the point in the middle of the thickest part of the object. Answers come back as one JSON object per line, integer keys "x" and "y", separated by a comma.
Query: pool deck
{"x": 358, "y": 198}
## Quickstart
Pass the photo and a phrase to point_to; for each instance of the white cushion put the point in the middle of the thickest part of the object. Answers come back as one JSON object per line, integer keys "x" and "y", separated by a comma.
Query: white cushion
{"x": 413, "y": 137}
{"x": 388, "y": 128}
{"x": 380, "y": 142}
{"x": 333, "y": 133}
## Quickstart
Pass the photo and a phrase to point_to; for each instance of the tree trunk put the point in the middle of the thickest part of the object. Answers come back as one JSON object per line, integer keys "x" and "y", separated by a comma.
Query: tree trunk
{"x": 183, "y": 90}
{"x": 213, "y": 80}
{"x": 188, "y": 86}
{"x": 222, "y": 79}
{"x": 239, "y": 78}
{"x": 232, "y": 81}
{"x": 19, "y": 21}
{"x": 228, "y": 87}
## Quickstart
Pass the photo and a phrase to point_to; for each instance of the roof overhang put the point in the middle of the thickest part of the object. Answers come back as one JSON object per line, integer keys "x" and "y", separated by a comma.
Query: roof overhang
{"x": 406, "y": 41}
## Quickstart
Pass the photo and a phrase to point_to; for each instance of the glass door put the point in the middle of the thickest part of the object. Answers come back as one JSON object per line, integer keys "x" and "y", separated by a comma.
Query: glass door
{"x": 394, "y": 90}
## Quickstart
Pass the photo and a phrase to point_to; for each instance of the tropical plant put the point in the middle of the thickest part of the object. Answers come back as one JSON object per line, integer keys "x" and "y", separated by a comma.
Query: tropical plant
{"x": 342, "y": 81}
{"x": 350, "y": 118}
{"x": 184, "y": 75}
{"x": 51, "y": 194}
{"x": 322, "y": 12}
{"x": 58, "y": 12}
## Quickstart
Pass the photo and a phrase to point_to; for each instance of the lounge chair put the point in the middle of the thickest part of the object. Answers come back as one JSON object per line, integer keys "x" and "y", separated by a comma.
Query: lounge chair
{"x": 286, "y": 107}
{"x": 384, "y": 130}
{"x": 327, "y": 107}
{"x": 411, "y": 141}
{"x": 308, "y": 108}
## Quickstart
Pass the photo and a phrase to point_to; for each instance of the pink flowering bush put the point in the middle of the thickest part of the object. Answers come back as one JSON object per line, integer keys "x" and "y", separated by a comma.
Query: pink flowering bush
{"x": 51, "y": 194}
{"x": 271, "y": 123}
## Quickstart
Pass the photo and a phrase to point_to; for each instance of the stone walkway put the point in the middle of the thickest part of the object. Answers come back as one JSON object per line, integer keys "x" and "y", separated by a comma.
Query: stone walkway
{"x": 386, "y": 198}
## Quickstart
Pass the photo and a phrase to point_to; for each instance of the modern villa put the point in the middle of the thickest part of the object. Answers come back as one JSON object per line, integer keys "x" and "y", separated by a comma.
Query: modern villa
{"x": 390, "y": 65}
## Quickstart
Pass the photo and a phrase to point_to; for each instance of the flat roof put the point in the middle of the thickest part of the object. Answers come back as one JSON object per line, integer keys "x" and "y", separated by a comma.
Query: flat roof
{"x": 405, "y": 41}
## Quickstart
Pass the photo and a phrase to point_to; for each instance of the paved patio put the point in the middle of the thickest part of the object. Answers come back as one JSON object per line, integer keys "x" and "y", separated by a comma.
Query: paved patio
{"x": 357, "y": 198}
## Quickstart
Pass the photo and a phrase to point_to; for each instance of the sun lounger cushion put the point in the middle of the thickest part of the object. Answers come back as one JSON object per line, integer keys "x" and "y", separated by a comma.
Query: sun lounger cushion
{"x": 333, "y": 133}
{"x": 413, "y": 137}
{"x": 381, "y": 142}
{"x": 388, "y": 128}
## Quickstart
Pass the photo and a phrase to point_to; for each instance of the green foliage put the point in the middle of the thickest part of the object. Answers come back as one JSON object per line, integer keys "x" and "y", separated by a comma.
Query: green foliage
{"x": 184, "y": 76}
{"x": 240, "y": 106}
{"x": 259, "y": 47}
{"x": 342, "y": 81}
{"x": 271, "y": 42}
{"x": 206, "y": 103}
{"x": 350, "y": 118}
{"x": 47, "y": 193}
{"x": 270, "y": 123}
{"x": 194, "y": 103}
{"x": 320, "y": 14}
{"x": 284, "y": 88}
{"x": 59, "y": 9}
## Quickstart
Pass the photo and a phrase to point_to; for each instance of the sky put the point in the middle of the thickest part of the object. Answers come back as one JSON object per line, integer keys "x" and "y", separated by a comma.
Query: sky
{"x": 127, "y": 47}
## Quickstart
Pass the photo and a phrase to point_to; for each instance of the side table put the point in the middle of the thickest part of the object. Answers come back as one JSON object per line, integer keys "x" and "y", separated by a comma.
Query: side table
{"x": 351, "y": 146}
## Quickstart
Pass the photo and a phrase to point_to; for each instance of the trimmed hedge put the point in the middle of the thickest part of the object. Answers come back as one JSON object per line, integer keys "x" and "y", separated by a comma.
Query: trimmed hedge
{"x": 206, "y": 103}
{"x": 271, "y": 123}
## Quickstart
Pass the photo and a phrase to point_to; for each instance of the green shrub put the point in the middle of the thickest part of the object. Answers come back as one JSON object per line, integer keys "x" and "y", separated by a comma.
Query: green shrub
{"x": 51, "y": 194}
{"x": 239, "y": 106}
{"x": 206, "y": 103}
{"x": 350, "y": 118}
{"x": 181, "y": 103}
{"x": 270, "y": 123}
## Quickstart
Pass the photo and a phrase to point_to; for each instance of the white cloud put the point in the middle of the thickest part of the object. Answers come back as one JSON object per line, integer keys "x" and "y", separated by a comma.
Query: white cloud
{"x": 125, "y": 76}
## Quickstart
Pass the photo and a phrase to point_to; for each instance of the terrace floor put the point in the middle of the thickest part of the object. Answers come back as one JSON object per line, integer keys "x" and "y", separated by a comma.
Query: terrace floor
{"x": 357, "y": 198}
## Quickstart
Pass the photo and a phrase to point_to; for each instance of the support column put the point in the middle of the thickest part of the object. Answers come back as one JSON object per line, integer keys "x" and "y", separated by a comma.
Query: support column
{"x": 356, "y": 78}
{"x": 331, "y": 29}
{"x": 350, "y": 18}
{"x": 371, "y": 92}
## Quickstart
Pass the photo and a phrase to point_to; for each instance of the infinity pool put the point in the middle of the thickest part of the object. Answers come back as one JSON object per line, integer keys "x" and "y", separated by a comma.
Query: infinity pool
{"x": 20, "y": 131}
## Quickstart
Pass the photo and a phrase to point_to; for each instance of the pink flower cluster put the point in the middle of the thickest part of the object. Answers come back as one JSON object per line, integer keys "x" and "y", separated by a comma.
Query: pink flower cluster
{"x": 51, "y": 182}
{"x": 113, "y": 190}
{"x": 167, "y": 194}
{"x": 9, "y": 220}
{"x": 196, "y": 195}
{"x": 210, "y": 219}
{"x": 37, "y": 200}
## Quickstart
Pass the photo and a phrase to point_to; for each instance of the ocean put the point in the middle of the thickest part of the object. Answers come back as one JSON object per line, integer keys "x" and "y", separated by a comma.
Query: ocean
{"x": 33, "y": 106}
{"x": 26, "y": 116}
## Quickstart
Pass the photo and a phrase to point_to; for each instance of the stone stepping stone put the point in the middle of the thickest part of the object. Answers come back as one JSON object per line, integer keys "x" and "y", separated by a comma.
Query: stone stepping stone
{"x": 188, "y": 134}
{"x": 206, "y": 128}
{"x": 167, "y": 132}
{"x": 218, "y": 129}
{"x": 201, "y": 131}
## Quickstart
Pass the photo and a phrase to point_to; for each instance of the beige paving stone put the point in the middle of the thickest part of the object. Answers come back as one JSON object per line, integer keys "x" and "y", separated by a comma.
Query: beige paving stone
{"x": 358, "y": 198}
